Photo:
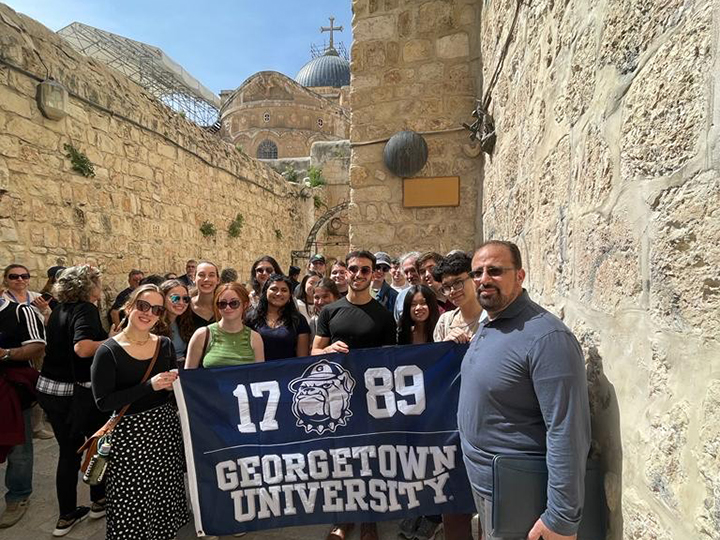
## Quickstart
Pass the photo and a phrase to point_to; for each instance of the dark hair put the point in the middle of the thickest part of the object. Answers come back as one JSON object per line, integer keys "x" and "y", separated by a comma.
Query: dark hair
{"x": 510, "y": 246}
{"x": 361, "y": 253}
{"x": 228, "y": 275}
{"x": 452, "y": 265}
{"x": 253, "y": 280}
{"x": 426, "y": 257}
{"x": 293, "y": 271}
{"x": 185, "y": 324}
{"x": 155, "y": 279}
{"x": 167, "y": 276}
{"x": 405, "y": 324}
{"x": 135, "y": 272}
{"x": 300, "y": 289}
{"x": 330, "y": 285}
{"x": 289, "y": 314}
{"x": 340, "y": 263}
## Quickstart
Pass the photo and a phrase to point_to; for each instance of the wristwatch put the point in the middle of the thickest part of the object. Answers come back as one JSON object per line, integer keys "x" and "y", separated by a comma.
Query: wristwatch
{"x": 6, "y": 356}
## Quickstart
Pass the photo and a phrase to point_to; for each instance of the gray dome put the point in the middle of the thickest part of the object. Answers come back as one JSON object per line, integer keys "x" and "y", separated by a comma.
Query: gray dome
{"x": 327, "y": 70}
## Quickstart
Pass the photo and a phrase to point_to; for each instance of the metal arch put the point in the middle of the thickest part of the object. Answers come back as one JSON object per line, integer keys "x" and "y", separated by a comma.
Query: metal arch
{"x": 312, "y": 235}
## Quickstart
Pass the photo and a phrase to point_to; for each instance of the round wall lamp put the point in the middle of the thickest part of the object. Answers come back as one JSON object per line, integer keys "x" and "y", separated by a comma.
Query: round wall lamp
{"x": 405, "y": 153}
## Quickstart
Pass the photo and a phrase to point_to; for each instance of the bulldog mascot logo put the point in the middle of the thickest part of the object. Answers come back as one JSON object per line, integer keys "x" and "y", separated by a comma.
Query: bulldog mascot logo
{"x": 321, "y": 397}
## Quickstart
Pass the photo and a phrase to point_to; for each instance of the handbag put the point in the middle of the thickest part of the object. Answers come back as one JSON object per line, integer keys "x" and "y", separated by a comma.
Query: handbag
{"x": 90, "y": 447}
{"x": 519, "y": 497}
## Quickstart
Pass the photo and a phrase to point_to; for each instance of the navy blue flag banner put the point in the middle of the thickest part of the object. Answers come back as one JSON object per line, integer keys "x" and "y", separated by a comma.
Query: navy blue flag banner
{"x": 359, "y": 437}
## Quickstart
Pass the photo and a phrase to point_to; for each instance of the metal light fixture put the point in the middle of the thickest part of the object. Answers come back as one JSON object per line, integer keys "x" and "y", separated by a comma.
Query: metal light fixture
{"x": 52, "y": 98}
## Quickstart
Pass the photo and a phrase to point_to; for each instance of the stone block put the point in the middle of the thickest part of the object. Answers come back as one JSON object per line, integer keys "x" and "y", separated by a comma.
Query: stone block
{"x": 453, "y": 46}
{"x": 435, "y": 16}
{"x": 684, "y": 285}
{"x": 417, "y": 49}
{"x": 594, "y": 180}
{"x": 14, "y": 103}
{"x": 707, "y": 523}
{"x": 381, "y": 27}
{"x": 666, "y": 106}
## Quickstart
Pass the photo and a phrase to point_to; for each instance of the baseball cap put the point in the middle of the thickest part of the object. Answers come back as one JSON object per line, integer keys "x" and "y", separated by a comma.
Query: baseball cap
{"x": 317, "y": 258}
{"x": 382, "y": 258}
{"x": 54, "y": 271}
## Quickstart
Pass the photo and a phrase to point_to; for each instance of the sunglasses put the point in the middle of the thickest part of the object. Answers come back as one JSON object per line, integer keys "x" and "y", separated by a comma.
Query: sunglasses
{"x": 492, "y": 271}
{"x": 176, "y": 298}
{"x": 264, "y": 270}
{"x": 142, "y": 305}
{"x": 18, "y": 276}
{"x": 364, "y": 270}
{"x": 232, "y": 304}
{"x": 383, "y": 268}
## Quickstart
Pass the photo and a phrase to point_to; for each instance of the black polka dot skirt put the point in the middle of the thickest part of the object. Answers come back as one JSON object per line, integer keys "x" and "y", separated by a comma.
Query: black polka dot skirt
{"x": 145, "y": 488}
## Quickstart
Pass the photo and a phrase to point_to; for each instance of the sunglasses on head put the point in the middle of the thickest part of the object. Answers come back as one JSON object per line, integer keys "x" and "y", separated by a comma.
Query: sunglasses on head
{"x": 232, "y": 304}
{"x": 142, "y": 305}
{"x": 18, "y": 276}
{"x": 176, "y": 298}
{"x": 364, "y": 270}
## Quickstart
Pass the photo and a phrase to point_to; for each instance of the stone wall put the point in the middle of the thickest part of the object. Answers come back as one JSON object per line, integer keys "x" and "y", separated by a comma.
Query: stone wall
{"x": 157, "y": 177}
{"x": 607, "y": 174}
{"x": 414, "y": 66}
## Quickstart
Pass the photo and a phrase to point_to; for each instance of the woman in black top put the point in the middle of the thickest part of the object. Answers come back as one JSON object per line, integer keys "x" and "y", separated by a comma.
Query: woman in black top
{"x": 419, "y": 317}
{"x": 260, "y": 271}
{"x": 74, "y": 332}
{"x": 207, "y": 278}
{"x": 284, "y": 331}
{"x": 145, "y": 489}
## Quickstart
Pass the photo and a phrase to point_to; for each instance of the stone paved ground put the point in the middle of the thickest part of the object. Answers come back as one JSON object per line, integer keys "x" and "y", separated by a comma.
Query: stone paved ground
{"x": 39, "y": 521}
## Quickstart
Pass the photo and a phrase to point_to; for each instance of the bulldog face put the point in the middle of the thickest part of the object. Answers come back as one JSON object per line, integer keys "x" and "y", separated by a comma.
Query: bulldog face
{"x": 322, "y": 404}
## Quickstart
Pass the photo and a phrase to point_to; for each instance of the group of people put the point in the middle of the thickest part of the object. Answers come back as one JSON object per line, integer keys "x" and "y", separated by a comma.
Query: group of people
{"x": 515, "y": 391}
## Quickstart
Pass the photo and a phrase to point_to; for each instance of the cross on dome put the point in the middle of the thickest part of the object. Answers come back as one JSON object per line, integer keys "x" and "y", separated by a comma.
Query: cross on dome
{"x": 332, "y": 28}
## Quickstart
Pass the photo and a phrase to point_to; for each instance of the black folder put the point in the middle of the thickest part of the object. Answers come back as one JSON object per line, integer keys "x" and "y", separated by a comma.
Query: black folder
{"x": 519, "y": 497}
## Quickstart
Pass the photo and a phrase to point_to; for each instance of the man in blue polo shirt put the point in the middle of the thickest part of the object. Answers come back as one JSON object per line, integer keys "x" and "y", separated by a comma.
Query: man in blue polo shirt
{"x": 523, "y": 391}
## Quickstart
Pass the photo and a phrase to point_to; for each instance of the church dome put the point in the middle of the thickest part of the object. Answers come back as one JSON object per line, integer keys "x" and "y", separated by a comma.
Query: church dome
{"x": 327, "y": 70}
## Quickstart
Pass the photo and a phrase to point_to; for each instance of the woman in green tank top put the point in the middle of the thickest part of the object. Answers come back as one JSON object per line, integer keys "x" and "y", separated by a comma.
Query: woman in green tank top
{"x": 227, "y": 342}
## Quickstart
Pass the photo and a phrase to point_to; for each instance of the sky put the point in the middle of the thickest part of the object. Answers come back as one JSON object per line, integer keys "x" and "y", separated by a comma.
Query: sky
{"x": 219, "y": 42}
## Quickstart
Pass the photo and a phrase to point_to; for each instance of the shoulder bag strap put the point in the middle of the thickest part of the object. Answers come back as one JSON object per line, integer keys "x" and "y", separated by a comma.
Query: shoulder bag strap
{"x": 205, "y": 345}
{"x": 151, "y": 365}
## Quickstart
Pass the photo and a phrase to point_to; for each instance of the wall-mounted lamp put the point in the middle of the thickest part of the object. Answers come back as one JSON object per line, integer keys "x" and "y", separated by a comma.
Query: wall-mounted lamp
{"x": 52, "y": 98}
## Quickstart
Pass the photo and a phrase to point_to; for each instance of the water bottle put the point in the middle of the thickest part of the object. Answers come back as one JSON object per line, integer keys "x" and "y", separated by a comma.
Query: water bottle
{"x": 95, "y": 473}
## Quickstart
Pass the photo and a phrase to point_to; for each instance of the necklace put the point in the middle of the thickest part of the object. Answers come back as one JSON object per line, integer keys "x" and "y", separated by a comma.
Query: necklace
{"x": 136, "y": 341}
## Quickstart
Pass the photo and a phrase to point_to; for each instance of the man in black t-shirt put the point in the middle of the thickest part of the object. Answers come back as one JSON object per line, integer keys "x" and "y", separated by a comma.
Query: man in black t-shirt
{"x": 22, "y": 337}
{"x": 357, "y": 321}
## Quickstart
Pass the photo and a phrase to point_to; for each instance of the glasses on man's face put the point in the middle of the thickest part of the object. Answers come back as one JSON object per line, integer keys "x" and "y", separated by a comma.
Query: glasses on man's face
{"x": 264, "y": 270}
{"x": 364, "y": 270}
{"x": 176, "y": 299}
{"x": 15, "y": 277}
{"x": 142, "y": 305}
{"x": 492, "y": 271}
{"x": 455, "y": 286}
{"x": 384, "y": 269}
{"x": 232, "y": 304}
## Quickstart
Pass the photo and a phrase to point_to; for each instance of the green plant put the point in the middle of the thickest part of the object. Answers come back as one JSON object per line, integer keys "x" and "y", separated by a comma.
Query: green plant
{"x": 236, "y": 226}
{"x": 319, "y": 203}
{"x": 80, "y": 162}
{"x": 315, "y": 176}
{"x": 239, "y": 148}
{"x": 278, "y": 234}
{"x": 207, "y": 229}
{"x": 290, "y": 174}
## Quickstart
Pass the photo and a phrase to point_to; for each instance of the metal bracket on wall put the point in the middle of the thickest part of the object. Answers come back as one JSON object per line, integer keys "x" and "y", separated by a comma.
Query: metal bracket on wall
{"x": 483, "y": 128}
{"x": 305, "y": 253}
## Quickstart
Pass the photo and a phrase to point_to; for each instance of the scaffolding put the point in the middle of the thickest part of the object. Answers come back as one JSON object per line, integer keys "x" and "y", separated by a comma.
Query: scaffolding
{"x": 151, "y": 68}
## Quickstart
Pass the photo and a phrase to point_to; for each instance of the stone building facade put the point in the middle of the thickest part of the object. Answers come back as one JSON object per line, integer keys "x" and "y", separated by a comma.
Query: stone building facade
{"x": 157, "y": 177}
{"x": 606, "y": 173}
{"x": 414, "y": 67}
{"x": 271, "y": 116}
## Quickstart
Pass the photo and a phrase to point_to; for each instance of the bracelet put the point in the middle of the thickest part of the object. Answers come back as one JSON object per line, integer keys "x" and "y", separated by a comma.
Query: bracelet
{"x": 6, "y": 356}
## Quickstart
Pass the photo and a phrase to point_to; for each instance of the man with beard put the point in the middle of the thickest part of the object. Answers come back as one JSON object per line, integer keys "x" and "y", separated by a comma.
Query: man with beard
{"x": 357, "y": 321}
{"x": 523, "y": 391}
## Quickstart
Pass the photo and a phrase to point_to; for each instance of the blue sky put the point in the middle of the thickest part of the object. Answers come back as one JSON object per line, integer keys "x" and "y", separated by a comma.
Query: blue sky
{"x": 220, "y": 42}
